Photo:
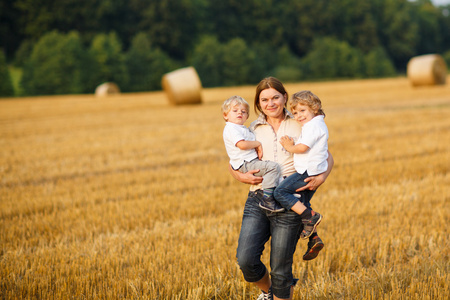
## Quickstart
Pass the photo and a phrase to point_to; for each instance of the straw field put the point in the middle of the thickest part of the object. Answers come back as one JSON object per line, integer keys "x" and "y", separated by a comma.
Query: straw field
{"x": 127, "y": 197}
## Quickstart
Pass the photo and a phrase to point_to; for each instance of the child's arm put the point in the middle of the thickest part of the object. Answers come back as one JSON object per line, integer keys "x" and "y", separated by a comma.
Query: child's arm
{"x": 247, "y": 145}
{"x": 289, "y": 145}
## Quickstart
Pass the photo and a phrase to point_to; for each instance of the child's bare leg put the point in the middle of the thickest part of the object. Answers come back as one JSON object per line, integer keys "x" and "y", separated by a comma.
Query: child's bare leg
{"x": 298, "y": 207}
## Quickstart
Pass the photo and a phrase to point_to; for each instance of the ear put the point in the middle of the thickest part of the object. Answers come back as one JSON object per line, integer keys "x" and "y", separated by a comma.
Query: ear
{"x": 316, "y": 112}
{"x": 225, "y": 116}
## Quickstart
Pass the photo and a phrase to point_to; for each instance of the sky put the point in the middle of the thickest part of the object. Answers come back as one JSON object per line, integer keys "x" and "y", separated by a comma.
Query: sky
{"x": 440, "y": 2}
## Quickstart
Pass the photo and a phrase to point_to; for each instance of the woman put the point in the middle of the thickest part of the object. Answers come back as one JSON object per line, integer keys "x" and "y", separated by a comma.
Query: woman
{"x": 258, "y": 225}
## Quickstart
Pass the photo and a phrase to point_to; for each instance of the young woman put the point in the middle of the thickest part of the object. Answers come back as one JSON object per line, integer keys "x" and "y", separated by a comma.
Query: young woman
{"x": 258, "y": 224}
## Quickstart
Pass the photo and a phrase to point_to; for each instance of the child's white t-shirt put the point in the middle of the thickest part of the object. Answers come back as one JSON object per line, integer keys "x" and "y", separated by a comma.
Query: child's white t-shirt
{"x": 315, "y": 136}
{"x": 233, "y": 133}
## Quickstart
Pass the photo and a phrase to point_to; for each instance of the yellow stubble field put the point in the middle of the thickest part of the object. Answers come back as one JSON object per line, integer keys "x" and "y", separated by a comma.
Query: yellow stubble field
{"x": 126, "y": 197}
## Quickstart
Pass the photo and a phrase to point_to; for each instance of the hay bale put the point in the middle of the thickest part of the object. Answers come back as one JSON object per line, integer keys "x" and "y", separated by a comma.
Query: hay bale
{"x": 182, "y": 86}
{"x": 106, "y": 89}
{"x": 429, "y": 69}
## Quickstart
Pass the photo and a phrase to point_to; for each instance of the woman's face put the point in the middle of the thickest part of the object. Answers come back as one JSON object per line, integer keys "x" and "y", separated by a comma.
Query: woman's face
{"x": 272, "y": 103}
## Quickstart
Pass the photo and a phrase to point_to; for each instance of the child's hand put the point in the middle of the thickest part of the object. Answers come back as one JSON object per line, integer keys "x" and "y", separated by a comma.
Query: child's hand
{"x": 259, "y": 151}
{"x": 286, "y": 141}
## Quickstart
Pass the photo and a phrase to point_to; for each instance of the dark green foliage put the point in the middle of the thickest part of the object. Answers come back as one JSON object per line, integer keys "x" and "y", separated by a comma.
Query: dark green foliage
{"x": 56, "y": 65}
{"x": 146, "y": 65}
{"x": 231, "y": 63}
{"x": 108, "y": 60}
{"x": 6, "y": 86}
{"x": 399, "y": 30}
{"x": 330, "y": 58}
{"x": 266, "y": 61}
{"x": 230, "y": 41}
{"x": 252, "y": 20}
{"x": 172, "y": 24}
{"x": 11, "y": 34}
{"x": 446, "y": 57}
{"x": 288, "y": 67}
{"x": 427, "y": 18}
{"x": 207, "y": 60}
{"x": 378, "y": 64}
{"x": 23, "y": 53}
{"x": 237, "y": 62}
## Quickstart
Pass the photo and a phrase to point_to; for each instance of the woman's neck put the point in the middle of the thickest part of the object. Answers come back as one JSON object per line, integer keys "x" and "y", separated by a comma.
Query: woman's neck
{"x": 275, "y": 122}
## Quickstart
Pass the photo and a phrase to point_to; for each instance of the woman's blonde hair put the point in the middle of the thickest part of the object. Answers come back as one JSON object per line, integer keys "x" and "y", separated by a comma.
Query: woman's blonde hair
{"x": 232, "y": 101}
{"x": 308, "y": 99}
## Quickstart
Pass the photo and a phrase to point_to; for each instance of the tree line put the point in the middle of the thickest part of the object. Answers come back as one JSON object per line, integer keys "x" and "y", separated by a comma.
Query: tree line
{"x": 71, "y": 46}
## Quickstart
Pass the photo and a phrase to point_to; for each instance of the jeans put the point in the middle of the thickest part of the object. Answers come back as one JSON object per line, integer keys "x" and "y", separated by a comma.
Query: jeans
{"x": 258, "y": 225}
{"x": 285, "y": 191}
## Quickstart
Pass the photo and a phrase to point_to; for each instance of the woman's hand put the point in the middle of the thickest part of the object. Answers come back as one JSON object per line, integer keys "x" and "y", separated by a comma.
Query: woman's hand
{"x": 248, "y": 177}
{"x": 313, "y": 182}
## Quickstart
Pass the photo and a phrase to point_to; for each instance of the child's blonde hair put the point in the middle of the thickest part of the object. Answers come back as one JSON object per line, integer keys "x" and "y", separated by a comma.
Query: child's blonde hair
{"x": 232, "y": 101}
{"x": 308, "y": 99}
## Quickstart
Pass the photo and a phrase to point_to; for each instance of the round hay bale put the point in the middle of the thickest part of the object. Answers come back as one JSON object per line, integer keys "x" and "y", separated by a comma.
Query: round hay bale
{"x": 429, "y": 69}
{"x": 182, "y": 86}
{"x": 106, "y": 89}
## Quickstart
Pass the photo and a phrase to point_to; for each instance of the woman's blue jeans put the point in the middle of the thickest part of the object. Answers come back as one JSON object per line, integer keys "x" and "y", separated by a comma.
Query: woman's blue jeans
{"x": 258, "y": 225}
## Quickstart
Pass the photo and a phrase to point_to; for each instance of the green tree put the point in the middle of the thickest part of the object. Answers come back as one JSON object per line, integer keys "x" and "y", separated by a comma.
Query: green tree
{"x": 378, "y": 64}
{"x": 330, "y": 58}
{"x": 266, "y": 61}
{"x": 171, "y": 24}
{"x": 444, "y": 24}
{"x": 446, "y": 57}
{"x": 353, "y": 22}
{"x": 403, "y": 28}
{"x": 303, "y": 22}
{"x": 207, "y": 60}
{"x": 146, "y": 65}
{"x": 231, "y": 63}
{"x": 10, "y": 32}
{"x": 23, "y": 53}
{"x": 237, "y": 63}
{"x": 289, "y": 67}
{"x": 88, "y": 17}
{"x": 430, "y": 37}
{"x": 251, "y": 20}
{"x": 108, "y": 60}
{"x": 398, "y": 31}
{"x": 56, "y": 65}
{"x": 6, "y": 86}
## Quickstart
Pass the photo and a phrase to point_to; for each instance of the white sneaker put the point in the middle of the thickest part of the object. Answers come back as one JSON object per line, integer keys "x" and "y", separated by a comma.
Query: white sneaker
{"x": 266, "y": 296}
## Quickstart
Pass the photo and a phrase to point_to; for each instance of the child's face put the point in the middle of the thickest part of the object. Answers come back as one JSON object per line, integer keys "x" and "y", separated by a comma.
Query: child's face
{"x": 238, "y": 114}
{"x": 303, "y": 114}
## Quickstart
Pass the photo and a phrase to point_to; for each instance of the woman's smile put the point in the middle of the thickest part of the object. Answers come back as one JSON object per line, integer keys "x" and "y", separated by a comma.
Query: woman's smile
{"x": 272, "y": 102}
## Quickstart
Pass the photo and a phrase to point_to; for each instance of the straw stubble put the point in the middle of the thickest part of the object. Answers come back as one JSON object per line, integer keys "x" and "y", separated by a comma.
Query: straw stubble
{"x": 131, "y": 198}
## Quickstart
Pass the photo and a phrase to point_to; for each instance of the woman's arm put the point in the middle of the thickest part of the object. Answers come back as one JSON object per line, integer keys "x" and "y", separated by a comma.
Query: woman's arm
{"x": 248, "y": 177}
{"x": 313, "y": 182}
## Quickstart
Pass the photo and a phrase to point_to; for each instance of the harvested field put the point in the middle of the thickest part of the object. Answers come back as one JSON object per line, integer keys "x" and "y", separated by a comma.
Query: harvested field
{"x": 127, "y": 197}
